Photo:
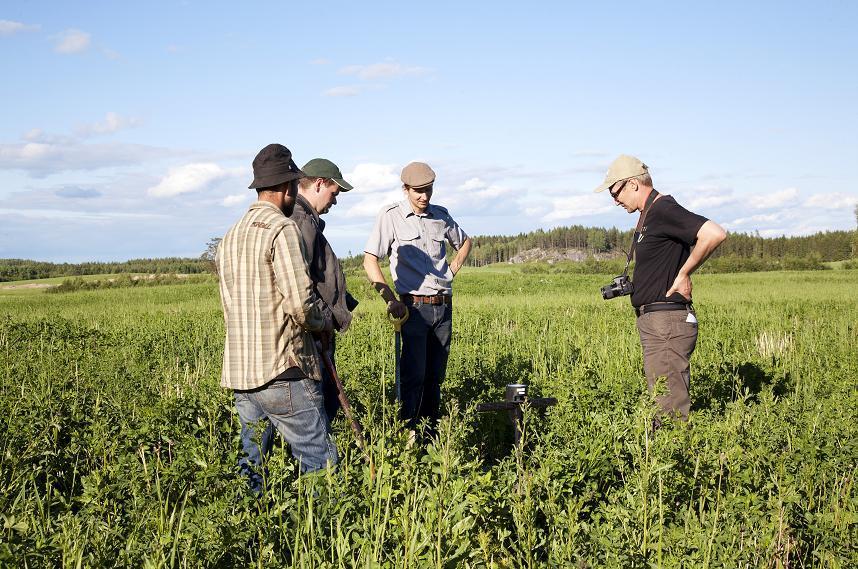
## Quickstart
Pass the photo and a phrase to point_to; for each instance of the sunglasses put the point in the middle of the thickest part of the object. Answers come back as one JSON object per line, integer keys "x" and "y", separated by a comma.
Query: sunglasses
{"x": 615, "y": 193}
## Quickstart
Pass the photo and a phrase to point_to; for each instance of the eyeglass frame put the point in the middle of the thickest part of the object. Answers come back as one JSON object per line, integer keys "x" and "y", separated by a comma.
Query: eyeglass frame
{"x": 616, "y": 194}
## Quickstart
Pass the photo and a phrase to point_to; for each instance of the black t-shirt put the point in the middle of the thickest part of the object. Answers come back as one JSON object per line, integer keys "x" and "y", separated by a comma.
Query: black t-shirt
{"x": 665, "y": 243}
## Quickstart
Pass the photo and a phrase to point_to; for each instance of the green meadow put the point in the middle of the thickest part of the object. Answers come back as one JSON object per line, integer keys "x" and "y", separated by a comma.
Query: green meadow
{"x": 119, "y": 448}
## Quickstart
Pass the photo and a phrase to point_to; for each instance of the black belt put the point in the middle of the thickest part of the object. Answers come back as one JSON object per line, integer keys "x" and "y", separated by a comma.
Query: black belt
{"x": 434, "y": 300}
{"x": 656, "y": 306}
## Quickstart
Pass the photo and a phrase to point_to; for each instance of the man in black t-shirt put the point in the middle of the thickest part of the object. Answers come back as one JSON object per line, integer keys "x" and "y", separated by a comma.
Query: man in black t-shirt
{"x": 664, "y": 261}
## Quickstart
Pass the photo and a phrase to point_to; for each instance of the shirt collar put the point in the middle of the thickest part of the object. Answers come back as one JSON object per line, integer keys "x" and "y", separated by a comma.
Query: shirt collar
{"x": 264, "y": 204}
{"x": 305, "y": 203}
{"x": 405, "y": 210}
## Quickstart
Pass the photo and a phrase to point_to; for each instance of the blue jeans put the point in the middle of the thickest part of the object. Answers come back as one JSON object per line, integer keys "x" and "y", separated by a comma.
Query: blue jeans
{"x": 423, "y": 363}
{"x": 293, "y": 407}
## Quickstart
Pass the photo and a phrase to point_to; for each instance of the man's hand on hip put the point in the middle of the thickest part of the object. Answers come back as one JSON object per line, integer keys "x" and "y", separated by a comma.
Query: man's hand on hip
{"x": 682, "y": 285}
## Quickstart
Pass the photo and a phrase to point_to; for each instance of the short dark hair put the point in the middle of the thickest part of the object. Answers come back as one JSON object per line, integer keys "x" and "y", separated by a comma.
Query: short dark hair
{"x": 308, "y": 181}
{"x": 282, "y": 187}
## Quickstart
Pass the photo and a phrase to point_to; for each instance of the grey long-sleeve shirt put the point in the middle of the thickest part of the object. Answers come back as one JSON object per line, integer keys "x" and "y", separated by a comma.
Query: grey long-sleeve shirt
{"x": 326, "y": 273}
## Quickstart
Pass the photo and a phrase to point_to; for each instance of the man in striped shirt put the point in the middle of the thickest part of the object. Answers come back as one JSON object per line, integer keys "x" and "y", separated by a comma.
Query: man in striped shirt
{"x": 270, "y": 311}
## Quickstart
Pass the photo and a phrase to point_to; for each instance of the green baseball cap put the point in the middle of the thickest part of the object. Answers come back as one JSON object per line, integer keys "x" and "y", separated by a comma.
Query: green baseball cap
{"x": 322, "y": 168}
{"x": 623, "y": 168}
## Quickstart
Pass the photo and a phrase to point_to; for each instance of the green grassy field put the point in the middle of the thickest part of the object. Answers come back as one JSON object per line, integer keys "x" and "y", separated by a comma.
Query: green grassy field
{"x": 119, "y": 448}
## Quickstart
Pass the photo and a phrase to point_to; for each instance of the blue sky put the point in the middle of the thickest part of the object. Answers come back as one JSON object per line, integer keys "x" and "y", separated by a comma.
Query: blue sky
{"x": 129, "y": 128}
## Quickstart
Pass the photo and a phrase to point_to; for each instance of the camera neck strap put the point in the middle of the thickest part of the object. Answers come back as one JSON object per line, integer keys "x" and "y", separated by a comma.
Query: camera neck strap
{"x": 653, "y": 195}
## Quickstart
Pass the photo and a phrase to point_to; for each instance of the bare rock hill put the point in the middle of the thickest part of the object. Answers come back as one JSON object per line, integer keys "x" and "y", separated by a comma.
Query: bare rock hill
{"x": 552, "y": 256}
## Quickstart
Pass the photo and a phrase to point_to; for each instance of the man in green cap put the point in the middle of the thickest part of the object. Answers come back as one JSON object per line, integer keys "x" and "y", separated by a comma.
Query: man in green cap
{"x": 317, "y": 194}
{"x": 669, "y": 244}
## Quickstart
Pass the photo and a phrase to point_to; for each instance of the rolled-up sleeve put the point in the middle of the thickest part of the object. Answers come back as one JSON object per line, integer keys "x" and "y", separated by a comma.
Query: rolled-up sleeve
{"x": 292, "y": 279}
{"x": 455, "y": 234}
{"x": 381, "y": 237}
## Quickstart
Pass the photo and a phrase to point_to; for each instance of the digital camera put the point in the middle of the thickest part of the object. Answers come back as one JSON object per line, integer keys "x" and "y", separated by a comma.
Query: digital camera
{"x": 619, "y": 286}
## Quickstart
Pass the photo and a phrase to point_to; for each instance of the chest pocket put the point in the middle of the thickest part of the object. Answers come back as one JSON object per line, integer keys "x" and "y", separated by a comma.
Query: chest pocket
{"x": 436, "y": 232}
{"x": 407, "y": 234}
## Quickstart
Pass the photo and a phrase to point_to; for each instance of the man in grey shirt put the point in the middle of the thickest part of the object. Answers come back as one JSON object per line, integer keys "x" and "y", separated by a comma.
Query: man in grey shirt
{"x": 414, "y": 234}
{"x": 317, "y": 194}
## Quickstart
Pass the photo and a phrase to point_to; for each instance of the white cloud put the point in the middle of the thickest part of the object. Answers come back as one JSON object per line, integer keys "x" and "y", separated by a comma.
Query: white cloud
{"x": 473, "y": 184}
{"x": 704, "y": 202}
{"x": 43, "y": 155}
{"x": 535, "y": 211}
{"x": 342, "y": 91}
{"x": 368, "y": 206}
{"x": 376, "y": 185}
{"x": 34, "y": 134}
{"x": 706, "y": 197}
{"x": 756, "y": 219}
{"x": 235, "y": 199}
{"x": 38, "y": 135}
{"x": 477, "y": 195}
{"x": 72, "y": 41}
{"x": 112, "y": 122}
{"x": 188, "y": 178}
{"x": 836, "y": 200}
{"x": 494, "y": 191}
{"x": 71, "y": 215}
{"x": 773, "y": 200}
{"x": 383, "y": 70}
{"x": 9, "y": 27}
{"x": 578, "y": 206}
{"x": 776, "y": 232}
{"x": 371, "y": 177}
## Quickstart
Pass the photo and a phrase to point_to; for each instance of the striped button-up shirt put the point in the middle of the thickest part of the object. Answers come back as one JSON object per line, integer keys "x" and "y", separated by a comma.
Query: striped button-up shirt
{"x": 269, "y": 307}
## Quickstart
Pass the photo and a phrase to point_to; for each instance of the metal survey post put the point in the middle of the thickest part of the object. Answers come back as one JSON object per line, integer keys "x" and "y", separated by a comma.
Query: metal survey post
{"x": 397, "y": 349}
{"x": 514, "y": 398}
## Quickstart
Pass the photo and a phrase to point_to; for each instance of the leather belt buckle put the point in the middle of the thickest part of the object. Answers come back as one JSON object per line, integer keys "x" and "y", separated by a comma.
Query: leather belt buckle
{"x": 659, "y": 306}
{"x": 434, "y": 300}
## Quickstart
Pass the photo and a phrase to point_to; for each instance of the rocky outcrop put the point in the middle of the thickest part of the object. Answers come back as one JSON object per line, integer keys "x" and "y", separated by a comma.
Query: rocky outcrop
{"x": 552, "y": 256}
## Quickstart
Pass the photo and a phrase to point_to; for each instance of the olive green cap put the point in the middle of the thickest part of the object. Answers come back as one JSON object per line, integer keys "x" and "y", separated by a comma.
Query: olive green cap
{"x": 623, "y": 168}
{"x": 417, "y": 175}
{"x": 323, "y": 168}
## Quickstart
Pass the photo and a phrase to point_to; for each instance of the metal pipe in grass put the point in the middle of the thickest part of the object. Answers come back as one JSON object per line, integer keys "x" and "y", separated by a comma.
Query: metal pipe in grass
{"x": 347, "y": 409}
{"x": 397, "y": 348}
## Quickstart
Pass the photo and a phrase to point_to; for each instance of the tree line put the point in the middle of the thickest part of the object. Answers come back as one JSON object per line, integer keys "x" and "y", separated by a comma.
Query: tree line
{"x": 23, "y": 269}
{"x": 740, "y": 252}
{"x": 823, "y": 246}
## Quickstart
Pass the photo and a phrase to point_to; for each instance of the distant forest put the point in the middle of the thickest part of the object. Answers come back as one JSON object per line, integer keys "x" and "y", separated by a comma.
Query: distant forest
{"x": 741, "y": 252}
{"x": 824, "y": 246}
{"x": 22, "y": 269}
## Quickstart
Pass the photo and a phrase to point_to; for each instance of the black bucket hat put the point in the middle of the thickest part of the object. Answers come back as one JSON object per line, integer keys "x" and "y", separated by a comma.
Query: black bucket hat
{"x": 274, "y": 165}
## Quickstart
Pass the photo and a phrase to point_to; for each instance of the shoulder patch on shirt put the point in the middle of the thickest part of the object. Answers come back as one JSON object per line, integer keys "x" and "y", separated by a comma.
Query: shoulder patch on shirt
{"x": 260, "y": 225}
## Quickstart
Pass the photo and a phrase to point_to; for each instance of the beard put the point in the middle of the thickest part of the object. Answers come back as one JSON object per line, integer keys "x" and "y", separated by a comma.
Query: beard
{"x": 288, "y": 205}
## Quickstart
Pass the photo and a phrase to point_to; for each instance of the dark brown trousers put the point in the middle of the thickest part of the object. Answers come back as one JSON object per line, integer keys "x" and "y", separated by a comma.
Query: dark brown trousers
{"x": 668, "y": 340}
